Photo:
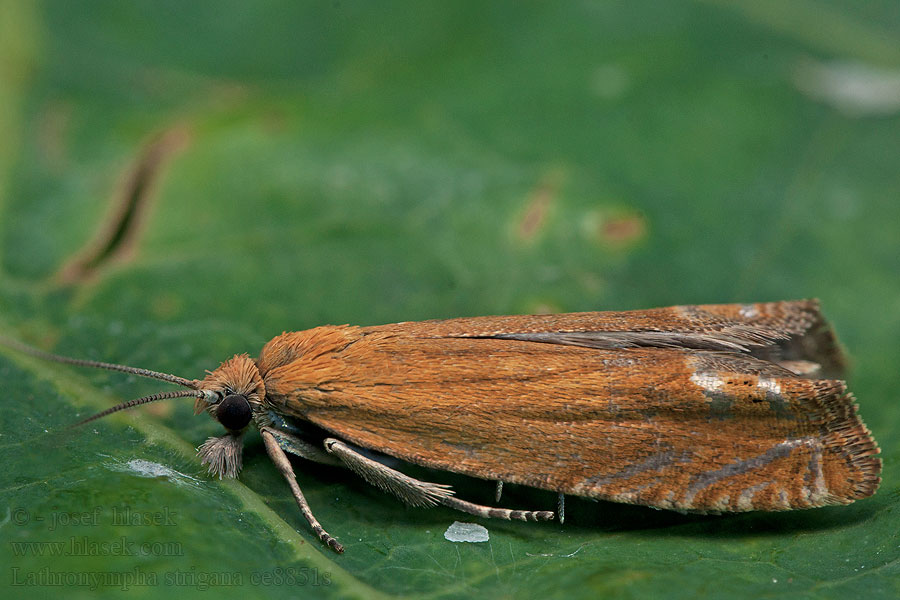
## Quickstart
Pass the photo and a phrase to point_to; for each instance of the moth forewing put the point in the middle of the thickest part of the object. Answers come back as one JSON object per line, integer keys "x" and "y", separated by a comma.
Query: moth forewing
{"x": 697, "y": 410}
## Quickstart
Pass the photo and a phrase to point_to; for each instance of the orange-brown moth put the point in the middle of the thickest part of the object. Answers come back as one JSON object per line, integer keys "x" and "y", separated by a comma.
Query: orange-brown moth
{"x": 715, "y": 408}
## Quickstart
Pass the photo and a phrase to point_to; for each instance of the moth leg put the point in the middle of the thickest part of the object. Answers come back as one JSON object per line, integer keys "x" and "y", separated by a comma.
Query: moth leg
{"x": 300, "y": 447}
{"x": 499, "y": 491}
{"x": 421, "y": 493}
{"x": 489, "y": 512}
{"x": 410, "y": 490}
{"x": 284, "y": 465}
{"x": 223, "y": 455}
{"x": 562, "y": 508}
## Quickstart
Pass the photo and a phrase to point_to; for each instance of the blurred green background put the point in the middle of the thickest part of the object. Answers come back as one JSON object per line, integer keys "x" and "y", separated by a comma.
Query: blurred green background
{"x": 180, "y": 181}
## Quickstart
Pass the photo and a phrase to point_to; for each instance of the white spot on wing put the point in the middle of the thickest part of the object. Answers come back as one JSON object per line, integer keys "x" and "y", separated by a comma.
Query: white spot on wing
{"x": 769, "y": 385}
{"x": 820, "y": 493}
{"x": 783, "y": 500}
{"x": 721, "y": 503}
{"x": 748, "y": 311}
{"x": 710, "y": 383}
{"x": 745, "y": 500}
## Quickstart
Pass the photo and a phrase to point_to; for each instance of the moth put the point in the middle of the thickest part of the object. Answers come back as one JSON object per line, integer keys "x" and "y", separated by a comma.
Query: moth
{"x": 711, "y": 408}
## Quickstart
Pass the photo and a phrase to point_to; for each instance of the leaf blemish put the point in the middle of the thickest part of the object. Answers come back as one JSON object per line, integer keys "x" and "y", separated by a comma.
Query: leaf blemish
{"x": 118, "y": 234}
{"x": 539, "y": 203}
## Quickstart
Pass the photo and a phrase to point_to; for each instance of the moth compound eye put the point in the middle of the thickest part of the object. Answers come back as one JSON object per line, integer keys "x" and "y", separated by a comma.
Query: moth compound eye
{"x": 234, "y": 412}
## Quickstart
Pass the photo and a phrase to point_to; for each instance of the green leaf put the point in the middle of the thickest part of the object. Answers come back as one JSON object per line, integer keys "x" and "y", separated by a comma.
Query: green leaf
{"x": 179, "y": 182}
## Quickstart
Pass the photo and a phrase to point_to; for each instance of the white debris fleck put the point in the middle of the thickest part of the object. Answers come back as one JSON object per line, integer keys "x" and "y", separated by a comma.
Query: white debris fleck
{"x": 148, "y": 468}
{"x": 466, "y": 532}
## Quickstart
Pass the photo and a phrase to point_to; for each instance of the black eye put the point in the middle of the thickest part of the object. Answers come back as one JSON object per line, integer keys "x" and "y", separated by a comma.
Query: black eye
{"x": 234, "y": 411}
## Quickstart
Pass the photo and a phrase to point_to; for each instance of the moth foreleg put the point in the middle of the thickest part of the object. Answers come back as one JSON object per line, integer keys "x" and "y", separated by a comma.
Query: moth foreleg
{"x": 421, "y": 493}
{"x": 223, "y": 455}
{"x": 284, "y": 465}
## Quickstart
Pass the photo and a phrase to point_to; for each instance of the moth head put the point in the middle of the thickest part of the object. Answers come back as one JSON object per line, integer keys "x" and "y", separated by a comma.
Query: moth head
{"x": 233, "y": 394}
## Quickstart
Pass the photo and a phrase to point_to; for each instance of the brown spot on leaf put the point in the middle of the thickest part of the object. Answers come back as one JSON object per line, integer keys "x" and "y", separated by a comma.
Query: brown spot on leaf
{"x": 539, "y": 203}
{"x": 118, "y": 234}
{"x": 621, "y": 230}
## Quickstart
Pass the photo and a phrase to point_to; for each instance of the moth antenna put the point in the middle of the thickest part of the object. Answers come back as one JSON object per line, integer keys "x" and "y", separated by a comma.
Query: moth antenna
{"x": 78, "y": 362}
{"x": 144, "y": 400}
